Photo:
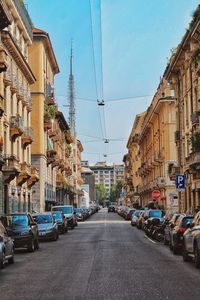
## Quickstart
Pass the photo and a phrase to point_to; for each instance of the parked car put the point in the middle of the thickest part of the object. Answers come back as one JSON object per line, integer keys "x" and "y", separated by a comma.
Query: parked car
{"x": 128, "y": 213}
{"x": 22, "y": 229}
{"x": 61, "y": 221}
{"x": 79, "y": 214}
{"x": 111, "y": 208}
{"x": 135, "y": 216}
{"x": 151, "y": 213}
{"x": 177, "y": 231}
{"x": 191, "y": 241}
{"x": 6, "y": 247}
{"x": 169, "y": 224}
{"x": 47, "y": 226}
{"x": 69, "y": 213}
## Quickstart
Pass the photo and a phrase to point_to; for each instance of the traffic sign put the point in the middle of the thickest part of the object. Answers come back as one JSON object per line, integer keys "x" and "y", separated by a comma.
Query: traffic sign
{"x": 156, "y": 194}
{"x": 180, "y": 182}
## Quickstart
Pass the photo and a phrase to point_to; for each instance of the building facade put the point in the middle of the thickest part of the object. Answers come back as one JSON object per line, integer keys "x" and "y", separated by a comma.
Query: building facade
{"x": 18, "y": 175}
{"x": 44, "y": 66}
{"x": 182, "y": 73}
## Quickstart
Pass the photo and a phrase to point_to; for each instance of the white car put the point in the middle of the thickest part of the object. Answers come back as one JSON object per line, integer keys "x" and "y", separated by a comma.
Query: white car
{"x": 6, "y": 247}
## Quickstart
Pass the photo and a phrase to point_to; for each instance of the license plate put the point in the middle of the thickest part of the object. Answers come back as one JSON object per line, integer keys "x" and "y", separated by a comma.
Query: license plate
{"x": 42, "y": 233}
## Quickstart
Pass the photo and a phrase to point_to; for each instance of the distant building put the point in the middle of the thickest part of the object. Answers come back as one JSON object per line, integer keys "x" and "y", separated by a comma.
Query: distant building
{"x": 107, "y": 174}
{"x": 89, "y": 180}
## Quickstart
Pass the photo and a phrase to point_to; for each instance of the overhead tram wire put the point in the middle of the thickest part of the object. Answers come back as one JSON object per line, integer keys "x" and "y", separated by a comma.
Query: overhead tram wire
{"x": 94, "y": 65}
{"x": 110, "y": 100}
{"x": 102, "y": 78}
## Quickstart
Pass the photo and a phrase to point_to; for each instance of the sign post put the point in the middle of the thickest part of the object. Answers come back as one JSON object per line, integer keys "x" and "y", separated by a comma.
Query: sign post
{"x": 180, "y": 182}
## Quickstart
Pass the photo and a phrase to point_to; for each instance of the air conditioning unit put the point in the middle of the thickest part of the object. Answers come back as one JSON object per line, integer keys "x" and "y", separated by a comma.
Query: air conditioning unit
{"x": 161, "y": 181}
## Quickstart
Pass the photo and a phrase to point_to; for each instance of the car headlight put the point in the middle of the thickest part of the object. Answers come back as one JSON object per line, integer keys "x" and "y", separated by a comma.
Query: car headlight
{"x": 24, "y": 233}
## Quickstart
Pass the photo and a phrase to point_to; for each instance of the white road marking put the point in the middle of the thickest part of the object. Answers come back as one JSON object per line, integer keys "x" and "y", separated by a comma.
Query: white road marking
{"x": 150, "y": 239}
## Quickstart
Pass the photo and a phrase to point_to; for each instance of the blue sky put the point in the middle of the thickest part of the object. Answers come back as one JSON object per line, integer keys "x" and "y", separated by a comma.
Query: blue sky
{"x": 137, "y": 36}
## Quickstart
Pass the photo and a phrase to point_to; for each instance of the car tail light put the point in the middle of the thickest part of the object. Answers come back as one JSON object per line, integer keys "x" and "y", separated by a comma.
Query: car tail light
{"x": 181, "y": 230}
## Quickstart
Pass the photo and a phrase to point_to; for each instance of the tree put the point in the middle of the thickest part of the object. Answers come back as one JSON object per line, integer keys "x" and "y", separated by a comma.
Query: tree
{"x": 101, "y": 193}
{"x": 116, "y": 191}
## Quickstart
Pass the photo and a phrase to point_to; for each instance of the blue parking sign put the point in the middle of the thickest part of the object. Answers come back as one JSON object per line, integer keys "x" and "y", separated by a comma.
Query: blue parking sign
{"x": 180, "y": 182}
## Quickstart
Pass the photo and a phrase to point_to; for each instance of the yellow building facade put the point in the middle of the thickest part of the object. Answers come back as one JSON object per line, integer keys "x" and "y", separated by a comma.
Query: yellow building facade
{"x": 18, "y": 175}
{"x": 134, "y": 151}
{"x": 157, "y": 150}
{"x": 45, "y": 67}
{"x": 183, "y": 74}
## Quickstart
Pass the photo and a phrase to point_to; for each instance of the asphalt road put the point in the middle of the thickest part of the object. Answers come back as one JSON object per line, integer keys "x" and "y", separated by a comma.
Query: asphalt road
{"x": 103, "y": 258}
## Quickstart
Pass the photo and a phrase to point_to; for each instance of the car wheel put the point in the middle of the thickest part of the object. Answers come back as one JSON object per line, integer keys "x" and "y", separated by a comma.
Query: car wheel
{"x": 31, "y": 247}
{"x": 196, "y": 256}
{"x": 36, "y": 244}
{"x": 174, "y": 249}
{"x": 185, "y": 254}
{"x": 2, "y": 261}
{"x": 11, "y": 259}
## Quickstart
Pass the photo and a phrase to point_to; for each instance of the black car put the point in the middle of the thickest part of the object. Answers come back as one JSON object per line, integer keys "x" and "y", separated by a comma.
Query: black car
{"x": 61, "y": 221}
{"x": 111, "y": 208}
{"x": 23, "y": 230}
{"x": 177, "y": 231}
{"x": 47, "y": 226}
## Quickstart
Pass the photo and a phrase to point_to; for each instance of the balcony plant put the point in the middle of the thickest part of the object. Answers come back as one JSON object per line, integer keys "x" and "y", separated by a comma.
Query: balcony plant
{"x": 195, "y": 141}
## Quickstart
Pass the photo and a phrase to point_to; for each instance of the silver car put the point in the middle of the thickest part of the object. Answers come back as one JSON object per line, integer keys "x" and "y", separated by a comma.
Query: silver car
{"x": 6, "y": 247}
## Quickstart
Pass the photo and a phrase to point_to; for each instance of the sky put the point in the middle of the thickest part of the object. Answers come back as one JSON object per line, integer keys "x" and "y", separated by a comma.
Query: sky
{"x": 126, "y": 49}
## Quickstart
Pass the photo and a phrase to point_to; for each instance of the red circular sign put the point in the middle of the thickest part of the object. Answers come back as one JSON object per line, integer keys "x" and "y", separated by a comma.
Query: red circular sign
{"x": 156, "y": 194}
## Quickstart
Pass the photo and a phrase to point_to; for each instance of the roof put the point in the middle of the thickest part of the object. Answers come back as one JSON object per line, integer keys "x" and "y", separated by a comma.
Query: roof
{"x": 40, "y": 33}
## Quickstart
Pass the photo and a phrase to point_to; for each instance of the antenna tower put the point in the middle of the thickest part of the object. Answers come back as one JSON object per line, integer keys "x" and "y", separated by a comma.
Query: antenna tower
{"x": 71, "y": 98}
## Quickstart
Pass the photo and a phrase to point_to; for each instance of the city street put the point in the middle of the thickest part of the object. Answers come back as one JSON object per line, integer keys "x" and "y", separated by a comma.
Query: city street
{"x": 104, "y": 258}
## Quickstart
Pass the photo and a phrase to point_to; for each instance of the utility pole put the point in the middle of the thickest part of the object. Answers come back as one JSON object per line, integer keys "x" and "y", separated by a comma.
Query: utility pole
{"x": 71, "y": 97}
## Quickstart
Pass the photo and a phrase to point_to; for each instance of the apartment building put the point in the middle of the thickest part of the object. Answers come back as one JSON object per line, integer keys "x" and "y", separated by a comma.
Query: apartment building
{"x": 43, "y": 119}
{"x": 17, "y": 135}
{"x": 133, "y": 182}
{"x": 107, "y": 175}
{"x": 182, "y": 73}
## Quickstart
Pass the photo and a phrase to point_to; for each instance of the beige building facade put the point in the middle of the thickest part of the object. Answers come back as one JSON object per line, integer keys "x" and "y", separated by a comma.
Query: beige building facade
{"x": 18, "y": 175}
{"x": 183, "y": 74}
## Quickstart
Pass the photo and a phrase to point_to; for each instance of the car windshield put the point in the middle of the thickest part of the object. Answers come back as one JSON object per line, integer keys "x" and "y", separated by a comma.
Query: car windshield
{"x": 137, "y": 212}
{"x": 64, "y": 209}
{"x": 155, "y": 214}
{"x": 57, "y": 215}
{"x": 78, "y": 210}
{"x": 43, "y": 219}
{"x": 185, "y": 221}
{"x": 20, "y": 220}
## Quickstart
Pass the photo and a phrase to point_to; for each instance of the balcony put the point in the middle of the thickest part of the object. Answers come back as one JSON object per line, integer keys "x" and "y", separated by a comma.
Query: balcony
{"x": 15, "y": 85}
{"x": 3, "y": 60}
{"x": 51, "y": 156}
{"x": 69, "y": 138}
{"x": 56, "y": 162}
{"x": 24, "y": 16}
{"x": 25, "y": 173}
{"x": 34, "y": 177}
{"x": 61, "y": 165}
{"x": 16, "y": 127}
{"x": 27, "y": 136}
{"x": 11, "y": 168}
{"x": 29, "y": 102}
{"x": 194, "y": 160}
{"x": 68, "y": 171}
